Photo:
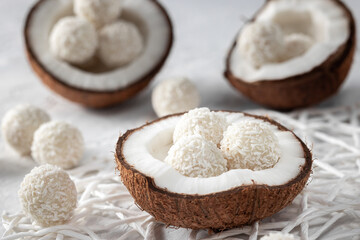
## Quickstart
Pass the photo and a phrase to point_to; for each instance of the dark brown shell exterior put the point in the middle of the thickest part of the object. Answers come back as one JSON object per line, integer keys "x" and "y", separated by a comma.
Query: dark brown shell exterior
{"x": 305, "y": 89}
{"x": 233, "y": 208}
{"x": 94, "y": 99}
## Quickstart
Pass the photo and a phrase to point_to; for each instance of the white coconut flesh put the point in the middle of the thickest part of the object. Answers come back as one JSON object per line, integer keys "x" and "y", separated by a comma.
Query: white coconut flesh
{"x": 145, "y": 14}
{"x": 146, "y": 149}
{"x": 324, "y": 21}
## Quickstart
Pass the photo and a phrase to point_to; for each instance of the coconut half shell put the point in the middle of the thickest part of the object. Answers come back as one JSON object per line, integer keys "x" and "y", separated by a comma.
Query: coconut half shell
{"x": 305, "y": 89}
{"x": 221, "y": 210}
{"x": 92, "y": 98}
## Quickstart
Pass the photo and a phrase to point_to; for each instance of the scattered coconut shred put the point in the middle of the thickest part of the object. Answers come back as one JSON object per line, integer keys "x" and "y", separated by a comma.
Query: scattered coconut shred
{"x": 328, "y": 208}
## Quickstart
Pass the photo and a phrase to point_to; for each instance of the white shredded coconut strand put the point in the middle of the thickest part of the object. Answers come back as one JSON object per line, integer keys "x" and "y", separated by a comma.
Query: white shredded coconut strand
{"x": 73, "y": 40}
{"x": 193, "y": 156}
{"x": 98, "y": 12}
{"x": 279, "y": 236}
{"x": 119, "y": 43}
{"x": 261, "y": 43}
{"x": 48, "y": 195}
{"x": 250, "y": 145}
{"x": 19, "y": 124}
{"x": 58, "y": 143}
{"x": 174, "y": 95}
{"x": 296, "y": 44}
{"x": 106, "y": 209}
{"x": 201, "y": 121}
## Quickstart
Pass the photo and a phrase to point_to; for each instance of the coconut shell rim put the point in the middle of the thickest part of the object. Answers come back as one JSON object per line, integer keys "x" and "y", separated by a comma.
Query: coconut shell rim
{"x": 120, "y": 159}
{"x": 335, "y": 59}
{"x": 42, "y": 71}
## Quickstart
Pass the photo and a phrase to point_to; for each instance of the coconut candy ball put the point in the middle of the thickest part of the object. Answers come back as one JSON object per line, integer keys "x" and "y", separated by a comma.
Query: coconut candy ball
{"x": 174, "y": 95}
{"x": 296, "y": 44}
{"x": 279, "y": 236}
{"x": 73, "y": 40}
{"x": 58, "y": 143}
{"x": 250, "y": 145}
{"x": 48, "y": 195}
{"x": 261, "y": 43}
{"x": 19, "y": 124}
{"x": 98, "y": 12}
{"x": 193, "y": 156}
{"x": 203, "y": 122}
{"x": 119, "y": 43}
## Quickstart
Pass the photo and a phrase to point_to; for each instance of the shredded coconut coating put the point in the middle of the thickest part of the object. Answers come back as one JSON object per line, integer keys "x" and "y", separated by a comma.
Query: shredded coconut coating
{"x": 58, "y": 143}
{"x": 296, "y": 44}
{"x": 74, "y": 40}
{"x": 250, "y": 145}
{"x": 48, "y": 195}
{"x": 98, "y": 12}
{"x": 120, "y": 43}
{"x": 19, "y": 124}
{"x": 261, "y": 43}
{"x": 174, "y": 95}
{"x": 193, "y": 156}
{"x": 203, "y": 122}
{"x": 279, "y": 236}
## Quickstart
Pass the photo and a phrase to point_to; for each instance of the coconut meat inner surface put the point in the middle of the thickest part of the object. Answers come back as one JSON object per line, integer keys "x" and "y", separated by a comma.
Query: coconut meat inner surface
{"x": 323, "y": 20}
{"x": 146, "y": 148}
{"x": 150, "y": 20}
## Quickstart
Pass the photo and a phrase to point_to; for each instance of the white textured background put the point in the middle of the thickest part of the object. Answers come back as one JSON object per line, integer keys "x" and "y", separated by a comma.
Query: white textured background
{"x": 204, "y": 30}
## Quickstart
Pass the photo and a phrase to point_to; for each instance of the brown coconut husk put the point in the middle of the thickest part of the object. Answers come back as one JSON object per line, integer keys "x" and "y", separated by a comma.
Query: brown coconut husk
{"x": 305, "y": 89}
{"x": 94, "y": 99}
{"x": 222, "y": 210}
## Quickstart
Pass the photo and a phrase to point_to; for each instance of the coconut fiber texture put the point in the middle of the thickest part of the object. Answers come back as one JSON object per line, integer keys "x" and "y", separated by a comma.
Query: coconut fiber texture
{"x": 327, "y": 209}
{"x": 232, "y": 208}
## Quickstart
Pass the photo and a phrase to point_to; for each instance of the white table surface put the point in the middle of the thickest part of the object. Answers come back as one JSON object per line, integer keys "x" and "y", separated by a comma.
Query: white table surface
{"x": 204, "y": 30}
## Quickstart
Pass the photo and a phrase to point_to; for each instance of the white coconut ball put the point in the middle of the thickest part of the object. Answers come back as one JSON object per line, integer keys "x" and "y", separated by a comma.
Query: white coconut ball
{"x": 98, "y": 12}
{"x": 203, "y": 122}
{"x": 19, "y": 124}
{"x": 48, "y": 195}
{"x": 278, "y": 236}
{"x": 261, "y": 43}
{"x": 73, "y": 40}
{"x": 296, "y": 44}
{"x": 250, "y": 145}
{"x": 193, "y": 156}
{"x": 119, "y": 43}
{"x": 174, "y": 95}
{"x": 58, "y": 143}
